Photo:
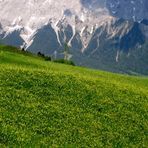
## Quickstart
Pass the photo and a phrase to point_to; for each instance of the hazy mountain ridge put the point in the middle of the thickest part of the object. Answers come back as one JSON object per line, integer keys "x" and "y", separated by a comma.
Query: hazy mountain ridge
{"x": 91, "y": 28}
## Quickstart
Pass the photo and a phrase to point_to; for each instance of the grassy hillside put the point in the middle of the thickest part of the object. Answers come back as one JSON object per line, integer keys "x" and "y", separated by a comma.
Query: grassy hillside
{"x": 46, "y": 104}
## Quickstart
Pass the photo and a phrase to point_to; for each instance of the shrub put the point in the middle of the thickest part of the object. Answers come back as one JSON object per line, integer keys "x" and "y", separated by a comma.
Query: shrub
{"x": 40, "y": 54}
{"x": 23, "y": 49}
{"x": 47, "y": 58}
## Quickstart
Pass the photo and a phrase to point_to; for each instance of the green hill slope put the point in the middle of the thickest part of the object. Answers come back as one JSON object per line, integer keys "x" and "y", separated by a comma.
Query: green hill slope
{"x": 46, "y": 104}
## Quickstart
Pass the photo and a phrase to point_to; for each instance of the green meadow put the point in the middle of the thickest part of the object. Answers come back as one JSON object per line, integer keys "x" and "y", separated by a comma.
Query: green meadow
{"x": 47, "y": 104}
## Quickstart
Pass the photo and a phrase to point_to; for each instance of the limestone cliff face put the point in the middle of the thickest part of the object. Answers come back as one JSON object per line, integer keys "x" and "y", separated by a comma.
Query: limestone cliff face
{"x": 99, "y": 32}
{"x": 136, "y": 10}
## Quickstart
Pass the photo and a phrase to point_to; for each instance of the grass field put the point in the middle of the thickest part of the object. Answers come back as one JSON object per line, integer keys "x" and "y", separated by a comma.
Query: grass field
{"x": 45, "y": 104}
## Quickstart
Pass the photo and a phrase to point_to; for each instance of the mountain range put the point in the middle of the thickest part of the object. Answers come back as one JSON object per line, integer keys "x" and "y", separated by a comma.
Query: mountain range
{"x": 103, "y": 34}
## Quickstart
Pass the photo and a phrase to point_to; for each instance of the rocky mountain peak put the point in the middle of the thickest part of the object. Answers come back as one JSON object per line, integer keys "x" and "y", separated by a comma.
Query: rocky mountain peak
{"x": 93, "y": 29}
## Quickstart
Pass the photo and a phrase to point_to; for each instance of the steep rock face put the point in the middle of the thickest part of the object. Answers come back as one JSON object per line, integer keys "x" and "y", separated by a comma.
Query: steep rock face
{"x": 136, "y": 10}
{"x": 68, "y": 18}
{"x": 44, "y": 40}
{"x": 1, "y": 27}
{"x": 1, "y": 31}
{"x": 12, "y": 38}
{"x": 145, "y": 22}
{"x": 100, "y": 33}
{"x": 133, "y": 38}
{"x": 110, "y": 41}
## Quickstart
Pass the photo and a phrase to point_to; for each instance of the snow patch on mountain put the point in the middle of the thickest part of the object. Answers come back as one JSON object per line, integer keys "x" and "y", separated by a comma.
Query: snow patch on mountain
{"x": 30, "y": 15}
{"x": 84, "y": 17}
